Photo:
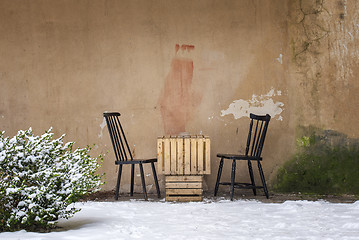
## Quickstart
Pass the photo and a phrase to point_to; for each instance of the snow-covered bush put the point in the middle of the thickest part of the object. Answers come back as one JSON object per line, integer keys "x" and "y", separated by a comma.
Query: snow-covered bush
{"x": 40, "y": 177}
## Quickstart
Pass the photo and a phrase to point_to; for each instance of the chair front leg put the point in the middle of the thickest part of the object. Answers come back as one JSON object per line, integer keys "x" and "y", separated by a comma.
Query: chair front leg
{"x": 156, "y": 180}
{"x": 250, "y": 169}
{"x": 143, "y": 182}
{"x": 118, "y": 182}
{"x": 218, "y": 177}
{"x": 233, "y": 178}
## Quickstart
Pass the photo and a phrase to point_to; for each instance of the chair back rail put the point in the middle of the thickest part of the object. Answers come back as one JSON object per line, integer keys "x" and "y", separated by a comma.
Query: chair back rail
{"x": 118, "y": 137}
{"x": 257, "y": 132}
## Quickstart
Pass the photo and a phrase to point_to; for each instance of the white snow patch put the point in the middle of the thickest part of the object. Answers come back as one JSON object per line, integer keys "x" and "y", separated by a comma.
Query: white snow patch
{"x": 221, "y": 219}
{"x": 262, "y": 104}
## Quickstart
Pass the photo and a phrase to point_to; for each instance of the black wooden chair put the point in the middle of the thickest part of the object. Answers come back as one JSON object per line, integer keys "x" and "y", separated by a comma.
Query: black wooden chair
{"x": 124, "y": 156}
{"x": 256, "y": 136}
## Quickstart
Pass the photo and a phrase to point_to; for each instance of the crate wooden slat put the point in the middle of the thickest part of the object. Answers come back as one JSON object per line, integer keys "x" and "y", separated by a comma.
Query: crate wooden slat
{"x": 184, "y": 198}
{"x": 183, "y": 178}
{"x": 184, "y": 191}
{"x": 184, "y": 185}
{"x": 193, "y": 159}
{"x": 180, "y": 156}
{"x": 160, "y": 162}
{"x": 167, "y": 155}
{"x": 200, "y": 154}
{"x": 207, "y": 150}
{"x": 187, "y": 156}
{"x": 173, "y": 157}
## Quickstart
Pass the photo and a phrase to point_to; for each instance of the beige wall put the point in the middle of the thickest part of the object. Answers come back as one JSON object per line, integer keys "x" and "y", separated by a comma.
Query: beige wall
{"x": 172, "y": 66}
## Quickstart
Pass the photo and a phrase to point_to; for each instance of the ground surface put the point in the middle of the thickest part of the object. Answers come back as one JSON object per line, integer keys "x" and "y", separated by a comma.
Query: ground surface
{"x": 211, "y": 219}
{"x": 239, "y": 194}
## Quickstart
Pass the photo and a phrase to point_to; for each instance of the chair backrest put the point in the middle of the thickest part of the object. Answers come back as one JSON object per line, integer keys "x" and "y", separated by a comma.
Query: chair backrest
{"x": 118, "y": 138}
{"x": 257, "y": 133}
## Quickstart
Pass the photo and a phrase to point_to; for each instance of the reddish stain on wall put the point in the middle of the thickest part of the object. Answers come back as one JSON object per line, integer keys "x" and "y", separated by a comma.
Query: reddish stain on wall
{"x": 177, "y": 96}
{"x": 184, "y": 47}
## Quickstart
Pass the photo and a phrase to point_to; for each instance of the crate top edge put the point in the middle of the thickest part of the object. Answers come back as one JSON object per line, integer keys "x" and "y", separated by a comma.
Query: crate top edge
{"x": 180, "y": 136}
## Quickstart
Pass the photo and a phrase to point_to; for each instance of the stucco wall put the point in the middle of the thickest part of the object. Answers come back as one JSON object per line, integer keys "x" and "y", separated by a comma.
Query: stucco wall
{"x": 174, "y": 66}
{"x": 324, "y": 45}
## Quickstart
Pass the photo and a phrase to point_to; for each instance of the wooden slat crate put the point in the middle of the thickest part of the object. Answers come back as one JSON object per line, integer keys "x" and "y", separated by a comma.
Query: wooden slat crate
{"x": 184, "y": 188}
{"x": 184, "y": 160}
{"x": 179, "y": 155}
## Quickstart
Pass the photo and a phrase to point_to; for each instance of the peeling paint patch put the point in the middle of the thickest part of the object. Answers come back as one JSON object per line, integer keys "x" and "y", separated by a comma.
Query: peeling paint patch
{"x": 262, "y": 104}
{"x": 102, "y": 126}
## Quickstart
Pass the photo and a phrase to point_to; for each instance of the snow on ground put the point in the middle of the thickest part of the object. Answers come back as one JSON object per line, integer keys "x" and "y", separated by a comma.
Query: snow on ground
{"x": 223, "y": 219}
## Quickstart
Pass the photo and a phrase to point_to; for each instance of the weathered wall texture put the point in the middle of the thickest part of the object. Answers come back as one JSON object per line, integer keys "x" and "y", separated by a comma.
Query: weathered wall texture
{"x": 179, "y": 66}
{"x": 324, "y": 44}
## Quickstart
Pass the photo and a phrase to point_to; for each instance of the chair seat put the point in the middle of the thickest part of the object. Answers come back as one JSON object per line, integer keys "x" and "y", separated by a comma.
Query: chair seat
{"x": 238, "y": 157}
{"x": 137, "y": 161}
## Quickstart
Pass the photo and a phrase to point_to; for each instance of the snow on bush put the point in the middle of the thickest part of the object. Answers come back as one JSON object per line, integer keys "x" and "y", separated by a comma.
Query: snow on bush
{"x": 40, "y": 177}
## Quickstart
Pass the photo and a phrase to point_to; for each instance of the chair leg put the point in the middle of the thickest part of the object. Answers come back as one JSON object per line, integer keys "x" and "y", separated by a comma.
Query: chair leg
{"x": 143, "y": 182}
{"x": 156, "y": 180}
{"x": 233, "y": 178}
{"x": 118, "y": 182}
{"x": 218, "y": 176}
{"x": 250, "y": 169}
{"x": 263, "y": 180}
{"x": 132, "y": 178}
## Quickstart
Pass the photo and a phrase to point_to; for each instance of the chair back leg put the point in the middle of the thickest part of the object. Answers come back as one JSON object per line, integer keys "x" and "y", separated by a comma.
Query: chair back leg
{"x": 143, "y": 182}
{"x": 233, "y": 178}
{"x": 263, "y": 179}
{"x": 250, "y": 170}
{"x": 132, "y": 178}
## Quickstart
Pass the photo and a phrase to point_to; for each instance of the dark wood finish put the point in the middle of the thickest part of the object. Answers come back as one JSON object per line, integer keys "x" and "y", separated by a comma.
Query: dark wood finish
{"x": 257, "y": 132}
{"x": 123, "y": 154}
